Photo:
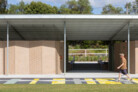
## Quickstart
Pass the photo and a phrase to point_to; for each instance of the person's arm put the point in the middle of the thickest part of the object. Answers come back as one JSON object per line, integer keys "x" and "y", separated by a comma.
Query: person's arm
{"x": 120, "y": 65}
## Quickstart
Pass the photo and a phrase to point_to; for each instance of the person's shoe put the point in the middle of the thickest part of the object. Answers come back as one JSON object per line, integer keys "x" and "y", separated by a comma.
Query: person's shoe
{"x": 130, "y": 79}
{"x": 118, "y": 80}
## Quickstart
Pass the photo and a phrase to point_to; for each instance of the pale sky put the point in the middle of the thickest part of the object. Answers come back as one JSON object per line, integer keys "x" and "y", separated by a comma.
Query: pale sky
{"x": 96, "y": 4}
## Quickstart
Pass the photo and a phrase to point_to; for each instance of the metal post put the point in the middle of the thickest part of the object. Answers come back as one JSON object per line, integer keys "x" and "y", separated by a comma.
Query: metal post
{"x": 128, "y": 47}
{"x": 85, "y": 53}
{"x": 7, "y": 48}
{"x": 106, "y": 52}
{"x": 64, "y": 47}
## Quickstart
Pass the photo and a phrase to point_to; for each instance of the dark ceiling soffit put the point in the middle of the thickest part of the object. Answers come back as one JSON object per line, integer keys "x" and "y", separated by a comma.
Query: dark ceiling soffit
{"x": 126, "y": 24}
{"x": 17, "y": 32}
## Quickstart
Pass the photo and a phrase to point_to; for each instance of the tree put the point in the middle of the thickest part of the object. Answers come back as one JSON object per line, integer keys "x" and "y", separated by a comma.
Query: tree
{"x": 109, "y": 9}
{"x": 135, "y": 7}
{"x": 17, "y": 9}
{"x": 84, "y": 7}
{"x": 64, "y": 10}
{"x": 132, "y": 7}
{"x": 3, "y": 6}
{"x": 128, "y": 7}
{"x": 39, "y": 8}
{"x": 76, "y": 7}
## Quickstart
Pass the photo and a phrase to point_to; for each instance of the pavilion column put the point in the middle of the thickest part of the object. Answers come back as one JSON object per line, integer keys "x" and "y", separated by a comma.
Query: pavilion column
{"x": 111, "y": 56}
{"x": 7, "y": 49}
{"x": 128, "y": 47}
{"x": 64, "y": 47}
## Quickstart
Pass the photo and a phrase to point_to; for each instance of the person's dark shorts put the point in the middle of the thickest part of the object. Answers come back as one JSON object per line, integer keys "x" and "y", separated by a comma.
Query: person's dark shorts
{"x": 123, "y": 71}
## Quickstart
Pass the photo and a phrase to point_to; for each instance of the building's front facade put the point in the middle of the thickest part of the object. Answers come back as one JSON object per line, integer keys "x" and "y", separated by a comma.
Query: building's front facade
{"x": 36, "y": 44}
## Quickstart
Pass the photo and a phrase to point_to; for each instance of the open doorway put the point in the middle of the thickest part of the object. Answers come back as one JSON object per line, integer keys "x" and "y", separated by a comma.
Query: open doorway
{"x": 87, "y": 56}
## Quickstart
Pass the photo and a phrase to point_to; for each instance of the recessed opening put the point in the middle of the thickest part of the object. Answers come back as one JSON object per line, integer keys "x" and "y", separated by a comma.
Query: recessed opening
{"x": 87, "y": 56}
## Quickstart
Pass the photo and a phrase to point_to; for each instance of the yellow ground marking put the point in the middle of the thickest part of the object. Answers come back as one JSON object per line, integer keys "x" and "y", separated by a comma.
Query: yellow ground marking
{"x": 34, "y": 81}
{"x": 108, "y": 81}
{"x": 58, "y": 81}
{"x": 90, "y": 81}
{"x": 105, "y": 79}
{"x": 135, "y": 80}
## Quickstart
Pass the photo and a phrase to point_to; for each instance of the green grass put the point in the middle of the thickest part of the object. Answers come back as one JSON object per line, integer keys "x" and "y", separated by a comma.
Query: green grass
{"x": 68, "y": 88}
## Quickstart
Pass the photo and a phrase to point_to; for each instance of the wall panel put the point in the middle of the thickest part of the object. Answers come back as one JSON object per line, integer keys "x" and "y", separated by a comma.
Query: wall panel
{"x": 136, "y": 56}
{"x": 48, "y": 57}
{"x": 1, "y": 58}
{"x": 35, "y": 57}
{"x": 11, "y": 57}
{"x": 21, "y": 57}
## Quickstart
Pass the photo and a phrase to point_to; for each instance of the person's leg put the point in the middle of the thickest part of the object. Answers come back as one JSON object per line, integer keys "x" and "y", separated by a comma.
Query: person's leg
{"x": 126, "y": 74}
{"x": 119, "y": 77}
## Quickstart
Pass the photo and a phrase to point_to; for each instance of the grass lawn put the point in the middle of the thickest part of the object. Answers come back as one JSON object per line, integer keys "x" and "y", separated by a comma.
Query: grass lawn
{"x": 68, "y": 88}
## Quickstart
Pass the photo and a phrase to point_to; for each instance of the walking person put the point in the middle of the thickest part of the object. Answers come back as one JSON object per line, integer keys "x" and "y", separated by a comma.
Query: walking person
{"x": 123, "y": 67}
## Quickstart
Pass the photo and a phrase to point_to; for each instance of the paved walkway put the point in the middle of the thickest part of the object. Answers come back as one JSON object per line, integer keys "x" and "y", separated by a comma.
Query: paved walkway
{"x": 67, "y": 81}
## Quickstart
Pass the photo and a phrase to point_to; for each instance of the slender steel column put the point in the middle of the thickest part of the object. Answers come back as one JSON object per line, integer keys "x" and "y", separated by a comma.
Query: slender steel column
{"x": 64, "y": 47}
{"x": 128, "y": 47}
{"x": 7, "y": 48}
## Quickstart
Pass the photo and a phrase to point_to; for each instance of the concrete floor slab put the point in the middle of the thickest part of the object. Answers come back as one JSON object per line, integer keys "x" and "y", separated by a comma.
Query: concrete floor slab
{"x": 72, "y": 74}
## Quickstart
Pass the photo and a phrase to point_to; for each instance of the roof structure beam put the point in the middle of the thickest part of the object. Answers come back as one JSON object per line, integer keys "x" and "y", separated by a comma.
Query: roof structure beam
{"x": 125, "y": 25}
{"x": 17, "y": 32}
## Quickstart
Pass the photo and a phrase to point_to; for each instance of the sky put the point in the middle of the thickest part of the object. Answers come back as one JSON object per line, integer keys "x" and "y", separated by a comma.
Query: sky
{"x": 96, "y": 4}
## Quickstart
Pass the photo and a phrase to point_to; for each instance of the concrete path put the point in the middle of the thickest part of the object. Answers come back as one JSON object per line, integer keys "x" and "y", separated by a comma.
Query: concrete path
{"x": 67, "y": 81}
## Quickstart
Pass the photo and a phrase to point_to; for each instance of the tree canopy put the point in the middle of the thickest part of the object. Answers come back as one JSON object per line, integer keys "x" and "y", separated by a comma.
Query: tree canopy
{"x": 32, "y": 8}
{"x": 3, "y": 6}
{"x": 110, "y": 9}
{"x": 76, "y": 7}
{"x": 17, "y": 9}
{"x": 40, "y": 8}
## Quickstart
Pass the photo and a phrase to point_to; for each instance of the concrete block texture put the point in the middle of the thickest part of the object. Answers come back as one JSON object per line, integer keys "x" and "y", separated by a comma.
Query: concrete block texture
{"x": 31, "y": 57}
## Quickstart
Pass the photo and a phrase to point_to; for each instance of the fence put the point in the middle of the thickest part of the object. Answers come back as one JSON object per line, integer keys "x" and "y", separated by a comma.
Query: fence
{"x": 88, "y": 52}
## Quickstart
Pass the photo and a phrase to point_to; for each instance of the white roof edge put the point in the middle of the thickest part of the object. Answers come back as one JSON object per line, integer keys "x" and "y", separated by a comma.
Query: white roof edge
{"x": 57, "y": 16}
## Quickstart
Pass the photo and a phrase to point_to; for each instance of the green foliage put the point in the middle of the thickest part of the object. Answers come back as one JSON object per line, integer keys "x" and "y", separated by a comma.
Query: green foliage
{"x": 110, "y": 9}
{"x": 132, "y": 7}
{"x": 88, "y": 58}
{"x": 39, "y": 8}
{"x": 64, "y": 10}
{"x": 17, "y": 9}
{"x": 77, "y": 47}
{"x": 3, "y": 6}
{"x": 87, "y": 44}
{"x": 84, "y": 7}
{"x": 76, "y": 7}
{"x": 32, "y": 8}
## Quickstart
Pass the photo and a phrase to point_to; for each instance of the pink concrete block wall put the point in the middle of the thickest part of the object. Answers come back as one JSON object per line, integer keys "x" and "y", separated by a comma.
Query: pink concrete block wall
{"x": 31, "y": 57}
{"x": 1, "y": 58}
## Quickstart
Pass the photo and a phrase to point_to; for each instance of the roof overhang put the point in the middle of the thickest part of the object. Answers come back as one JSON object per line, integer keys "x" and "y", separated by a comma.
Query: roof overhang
{"x": 79, "y": 27}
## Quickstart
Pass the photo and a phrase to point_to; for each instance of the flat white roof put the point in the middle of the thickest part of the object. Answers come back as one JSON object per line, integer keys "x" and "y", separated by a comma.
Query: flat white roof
{"x": 63, "y": 16}
{"x": 79, "y": 27}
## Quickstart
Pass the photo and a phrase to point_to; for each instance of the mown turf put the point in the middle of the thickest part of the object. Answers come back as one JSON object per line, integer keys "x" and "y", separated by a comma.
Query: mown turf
{"x": 68, "y": 88}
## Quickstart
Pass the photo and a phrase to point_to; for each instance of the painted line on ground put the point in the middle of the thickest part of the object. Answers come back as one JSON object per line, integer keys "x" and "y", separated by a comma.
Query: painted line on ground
{"x": 34, "y": 81}
{"x": 58, "y": 81}
{"x": 107, "y": 81}
{"x": 90, "y": 81}
{"x": 135, "y": 80}
{"x": 77, "y": 81}
{"x": 12, "y": 81}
